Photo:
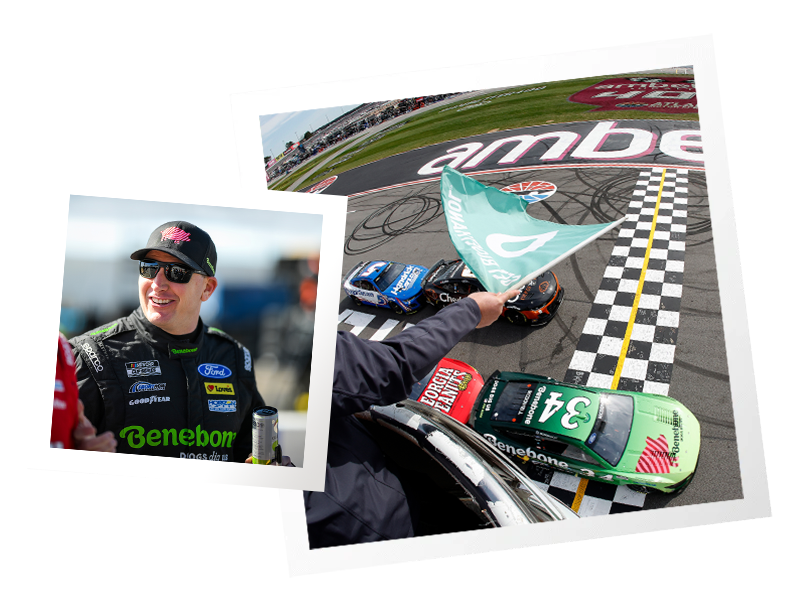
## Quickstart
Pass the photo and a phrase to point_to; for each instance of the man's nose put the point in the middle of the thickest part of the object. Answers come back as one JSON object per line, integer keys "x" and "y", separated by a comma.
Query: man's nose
{"x": 161, "y": 279}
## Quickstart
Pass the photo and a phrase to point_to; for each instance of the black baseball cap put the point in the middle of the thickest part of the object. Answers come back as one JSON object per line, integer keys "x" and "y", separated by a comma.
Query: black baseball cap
{"x": 188, "y": 242}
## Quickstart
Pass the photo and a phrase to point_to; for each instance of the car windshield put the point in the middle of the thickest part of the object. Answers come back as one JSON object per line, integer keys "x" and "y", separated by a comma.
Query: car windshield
{"x": 612, "y": 428}
{"x": 389, "y": 275}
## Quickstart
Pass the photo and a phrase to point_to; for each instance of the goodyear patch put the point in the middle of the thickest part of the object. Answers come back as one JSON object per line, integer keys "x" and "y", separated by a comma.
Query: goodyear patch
{"x": 217, "y": 388}
{"x": 221, "y": 405}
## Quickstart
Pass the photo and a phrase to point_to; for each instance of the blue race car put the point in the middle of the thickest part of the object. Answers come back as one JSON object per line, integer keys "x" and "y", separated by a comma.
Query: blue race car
{"x": 387, "y": 284}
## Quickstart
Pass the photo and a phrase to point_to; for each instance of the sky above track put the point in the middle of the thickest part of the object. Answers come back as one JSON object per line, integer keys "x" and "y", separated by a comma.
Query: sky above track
{"x": 278, "y": 129}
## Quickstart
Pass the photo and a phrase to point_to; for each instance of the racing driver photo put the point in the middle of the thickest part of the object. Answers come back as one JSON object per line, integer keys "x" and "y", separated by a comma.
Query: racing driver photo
{"x": 161, "y": 379}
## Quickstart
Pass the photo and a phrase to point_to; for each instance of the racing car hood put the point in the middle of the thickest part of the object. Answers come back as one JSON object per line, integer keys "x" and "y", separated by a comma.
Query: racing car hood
{"x": 538, "y": 292}
{"x": 664, "y": 439}
{"x": 450, "y": 387}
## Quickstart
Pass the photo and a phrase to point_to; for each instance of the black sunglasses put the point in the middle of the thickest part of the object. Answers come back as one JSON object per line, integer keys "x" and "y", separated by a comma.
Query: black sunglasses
{"x": 173, "y": 271}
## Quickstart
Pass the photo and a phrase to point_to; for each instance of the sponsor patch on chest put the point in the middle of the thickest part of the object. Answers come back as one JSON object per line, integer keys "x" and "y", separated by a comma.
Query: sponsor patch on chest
{"x": 221, "y": 405}
{"x": 218, "y": 388}
{"x": 137, "y": 369}
{"x": 147, "y": 387}
{"x": 214, "y": 370}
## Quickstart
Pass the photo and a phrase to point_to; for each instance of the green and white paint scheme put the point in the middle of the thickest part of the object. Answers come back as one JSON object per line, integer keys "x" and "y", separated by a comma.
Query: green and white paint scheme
{"x": 621, "y": 437}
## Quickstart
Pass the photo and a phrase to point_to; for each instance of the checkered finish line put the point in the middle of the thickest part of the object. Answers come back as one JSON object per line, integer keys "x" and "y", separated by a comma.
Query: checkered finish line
{"x": 635, "y": 313}
{"x": 628, "y": 341}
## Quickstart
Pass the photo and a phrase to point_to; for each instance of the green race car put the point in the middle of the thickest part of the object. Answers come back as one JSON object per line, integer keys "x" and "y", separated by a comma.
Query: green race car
{"x": 649, "y": 442}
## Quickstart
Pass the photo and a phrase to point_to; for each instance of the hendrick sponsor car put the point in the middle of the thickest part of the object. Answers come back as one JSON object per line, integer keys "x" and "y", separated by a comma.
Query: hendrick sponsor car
{"x": 536, "y": 305}
{"x": 647, "y": 441}
{"x": 387, "y": 284}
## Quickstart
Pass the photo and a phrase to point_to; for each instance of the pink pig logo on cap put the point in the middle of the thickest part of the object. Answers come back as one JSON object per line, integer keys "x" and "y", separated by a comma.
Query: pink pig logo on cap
{"x": 176, "y": 234}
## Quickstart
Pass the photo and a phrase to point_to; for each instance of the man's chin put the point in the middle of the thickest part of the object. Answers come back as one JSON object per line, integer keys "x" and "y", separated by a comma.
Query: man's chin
{"x": 159, "y": 319}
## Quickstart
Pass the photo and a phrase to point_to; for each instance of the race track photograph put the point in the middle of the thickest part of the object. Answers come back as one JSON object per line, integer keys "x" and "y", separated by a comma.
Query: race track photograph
{"x": 637, "y": 309}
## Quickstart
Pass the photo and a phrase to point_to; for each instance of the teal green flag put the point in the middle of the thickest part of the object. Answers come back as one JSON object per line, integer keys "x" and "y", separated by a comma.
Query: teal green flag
{"x": 499, "y": 241}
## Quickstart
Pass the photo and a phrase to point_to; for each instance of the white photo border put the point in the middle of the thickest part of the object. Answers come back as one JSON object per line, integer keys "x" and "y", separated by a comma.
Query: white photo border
{"x": 311, "y": 475}
{"x": 697, "y": 52}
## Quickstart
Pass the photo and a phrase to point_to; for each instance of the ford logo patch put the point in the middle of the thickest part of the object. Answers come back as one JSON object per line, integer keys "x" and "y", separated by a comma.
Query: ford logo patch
{"x": 212, "y": 370}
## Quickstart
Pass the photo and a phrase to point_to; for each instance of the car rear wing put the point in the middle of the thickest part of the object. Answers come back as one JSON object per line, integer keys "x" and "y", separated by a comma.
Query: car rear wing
{"x": 356, "y": 268}
{"x": 434, "y": 271}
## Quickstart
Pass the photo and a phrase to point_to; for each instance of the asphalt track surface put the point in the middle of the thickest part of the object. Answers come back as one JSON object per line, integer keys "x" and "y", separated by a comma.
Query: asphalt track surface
{"x": 406, "y": 224}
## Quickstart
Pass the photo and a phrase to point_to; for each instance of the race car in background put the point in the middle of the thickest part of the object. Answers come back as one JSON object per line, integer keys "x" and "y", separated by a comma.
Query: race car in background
{"x": 451, "y": 387}
{"x": 646, "y": 441}
{"x": 536, "y": 305}
{"x": 386, "y": 284}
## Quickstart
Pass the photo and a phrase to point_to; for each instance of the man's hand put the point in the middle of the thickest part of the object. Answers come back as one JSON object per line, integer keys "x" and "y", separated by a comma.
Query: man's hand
{"x": 491, "y": 305}
{"x": 85, "y": 437}
{"x": 285, "y": 461}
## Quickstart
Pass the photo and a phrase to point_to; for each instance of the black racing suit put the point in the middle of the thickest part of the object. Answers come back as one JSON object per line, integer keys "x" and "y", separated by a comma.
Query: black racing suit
{"x": 364, "y": 499}
{"x": 164, "y": 395}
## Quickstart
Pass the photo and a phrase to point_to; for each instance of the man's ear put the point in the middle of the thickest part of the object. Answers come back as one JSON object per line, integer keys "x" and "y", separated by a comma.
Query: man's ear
{"x": 210, "y": 287}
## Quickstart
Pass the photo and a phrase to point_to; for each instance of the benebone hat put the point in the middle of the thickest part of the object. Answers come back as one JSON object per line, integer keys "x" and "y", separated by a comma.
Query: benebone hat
{"x": 188, "y": 242}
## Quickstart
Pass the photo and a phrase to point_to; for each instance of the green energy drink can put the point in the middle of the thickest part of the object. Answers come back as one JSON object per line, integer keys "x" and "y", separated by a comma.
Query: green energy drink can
{"x": 266, "y": 450}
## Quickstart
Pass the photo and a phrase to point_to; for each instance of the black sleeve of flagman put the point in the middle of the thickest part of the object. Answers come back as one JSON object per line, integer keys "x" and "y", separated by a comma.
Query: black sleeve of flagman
{"x": 378, "y": 373}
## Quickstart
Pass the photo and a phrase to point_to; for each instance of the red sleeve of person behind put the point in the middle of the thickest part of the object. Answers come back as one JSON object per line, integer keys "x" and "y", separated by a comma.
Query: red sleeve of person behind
{"x": 65, "y": 397}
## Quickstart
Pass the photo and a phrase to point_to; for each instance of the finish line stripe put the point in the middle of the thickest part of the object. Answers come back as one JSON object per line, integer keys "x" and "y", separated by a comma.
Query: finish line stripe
{"x": 626, "y": 342}
{"x": 629, "y": 338}
{"x": 576, "y": 503}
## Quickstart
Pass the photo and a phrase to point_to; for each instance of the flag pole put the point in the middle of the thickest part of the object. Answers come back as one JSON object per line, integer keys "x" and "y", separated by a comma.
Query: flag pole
{"x": 541, "y": 270}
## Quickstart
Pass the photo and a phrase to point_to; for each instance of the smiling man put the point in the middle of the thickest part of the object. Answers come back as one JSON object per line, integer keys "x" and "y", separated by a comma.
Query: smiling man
{"x": 163, "y": 382}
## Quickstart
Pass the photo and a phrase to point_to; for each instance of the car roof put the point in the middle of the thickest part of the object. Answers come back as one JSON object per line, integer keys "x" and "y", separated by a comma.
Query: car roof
{"x": 373, "y": 269}
{"x": 454, "y": 270}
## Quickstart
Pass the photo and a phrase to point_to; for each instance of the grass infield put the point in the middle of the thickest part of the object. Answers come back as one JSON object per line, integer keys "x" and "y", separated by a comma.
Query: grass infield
{"x": 492, "y": 111}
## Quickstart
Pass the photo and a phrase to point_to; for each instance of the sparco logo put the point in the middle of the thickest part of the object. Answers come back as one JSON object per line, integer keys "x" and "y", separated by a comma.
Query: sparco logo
{"x": 92, "y": 356}
{"x": 145, "y": 387}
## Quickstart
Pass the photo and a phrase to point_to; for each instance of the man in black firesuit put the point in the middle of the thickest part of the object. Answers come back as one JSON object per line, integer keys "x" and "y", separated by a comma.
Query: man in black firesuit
{"x": 363, "y": 498}
{"x": 163, "y": 382}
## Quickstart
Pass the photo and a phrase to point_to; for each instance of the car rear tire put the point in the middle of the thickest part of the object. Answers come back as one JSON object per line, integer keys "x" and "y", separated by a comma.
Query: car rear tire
{"x": 356, "y": 300}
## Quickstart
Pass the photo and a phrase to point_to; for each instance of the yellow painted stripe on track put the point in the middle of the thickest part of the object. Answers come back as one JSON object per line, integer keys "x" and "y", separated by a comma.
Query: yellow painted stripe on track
{"x": 626, "y": 342}
{"x": 576, "y": 504}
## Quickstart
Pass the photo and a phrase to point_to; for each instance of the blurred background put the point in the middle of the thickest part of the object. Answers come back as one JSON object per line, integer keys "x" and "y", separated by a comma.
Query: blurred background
{"x": 267, "y": 264}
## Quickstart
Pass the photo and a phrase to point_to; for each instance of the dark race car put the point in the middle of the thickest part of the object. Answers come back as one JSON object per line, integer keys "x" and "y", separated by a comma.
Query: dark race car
{"x": 536, "y": 305}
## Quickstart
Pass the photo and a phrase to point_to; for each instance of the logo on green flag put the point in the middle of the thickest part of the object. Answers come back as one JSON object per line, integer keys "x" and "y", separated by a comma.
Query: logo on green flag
{"x": 498, "y": 240}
